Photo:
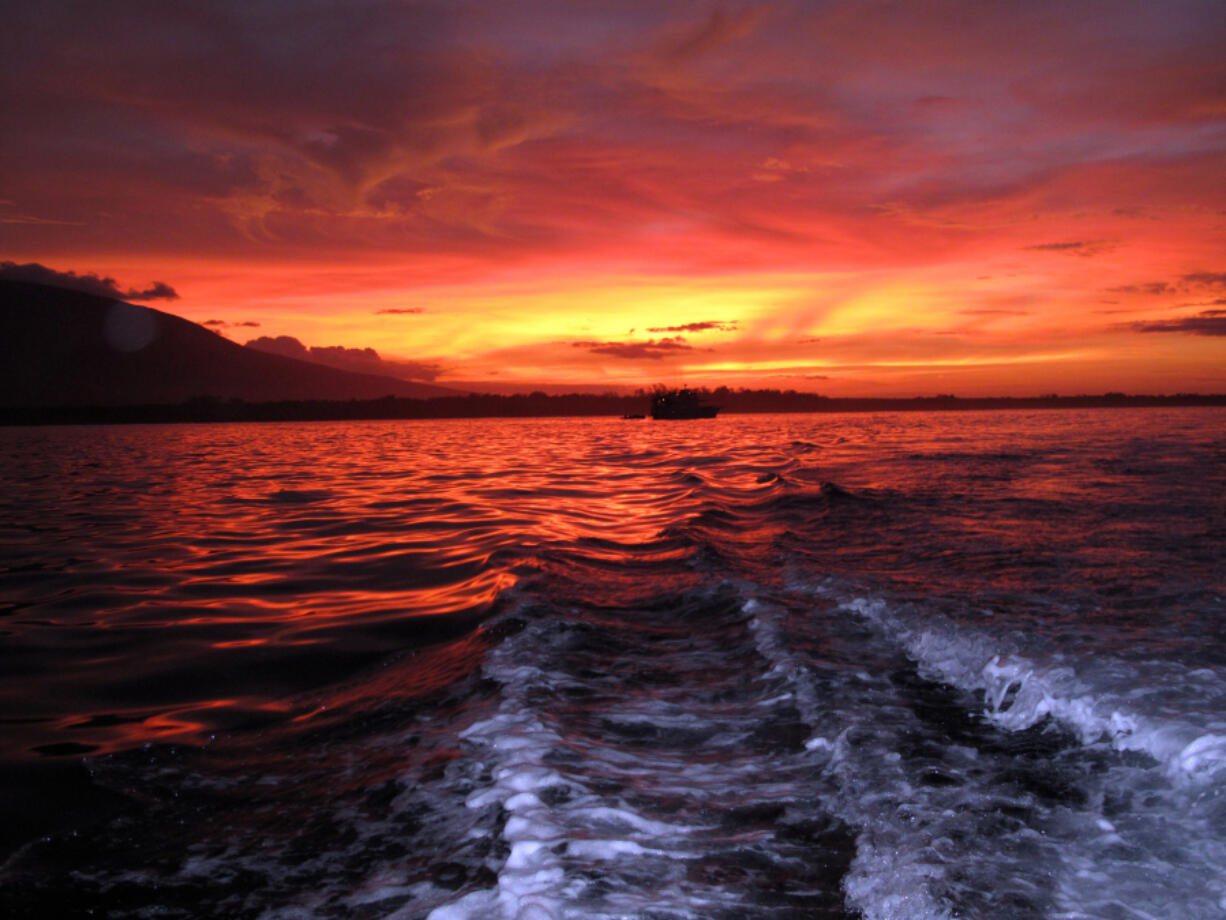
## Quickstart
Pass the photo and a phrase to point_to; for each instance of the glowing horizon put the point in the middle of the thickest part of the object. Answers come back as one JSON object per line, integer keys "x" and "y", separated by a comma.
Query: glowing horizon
{"x": 851, "y": 198}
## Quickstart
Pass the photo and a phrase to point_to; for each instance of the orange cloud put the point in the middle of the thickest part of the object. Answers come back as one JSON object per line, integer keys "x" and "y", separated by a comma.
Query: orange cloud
{"x": 903, "y": 182}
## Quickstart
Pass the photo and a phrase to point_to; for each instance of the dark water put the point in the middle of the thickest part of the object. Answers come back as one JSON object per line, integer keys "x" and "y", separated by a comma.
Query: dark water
{"x": 900, "y": 666}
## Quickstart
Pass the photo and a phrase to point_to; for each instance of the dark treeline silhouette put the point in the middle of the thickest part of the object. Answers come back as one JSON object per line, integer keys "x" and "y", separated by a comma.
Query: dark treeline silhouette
{"x": 529, "y": 405}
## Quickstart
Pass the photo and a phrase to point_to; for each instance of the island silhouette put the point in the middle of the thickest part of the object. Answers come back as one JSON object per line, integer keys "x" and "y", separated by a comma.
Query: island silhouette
{"x": 62, "y": 347}
{"x": 68, "y": 357}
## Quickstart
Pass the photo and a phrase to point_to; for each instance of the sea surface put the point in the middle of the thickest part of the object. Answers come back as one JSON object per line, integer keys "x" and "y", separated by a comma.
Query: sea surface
{"x": 893, "y": 667}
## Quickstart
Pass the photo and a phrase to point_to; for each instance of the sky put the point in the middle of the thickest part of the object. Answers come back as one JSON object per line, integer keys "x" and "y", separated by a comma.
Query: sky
{"x": 851, "y": 198}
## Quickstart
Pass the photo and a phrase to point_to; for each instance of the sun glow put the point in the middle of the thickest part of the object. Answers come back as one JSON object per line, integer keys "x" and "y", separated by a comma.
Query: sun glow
{"x": 891, "y": 306}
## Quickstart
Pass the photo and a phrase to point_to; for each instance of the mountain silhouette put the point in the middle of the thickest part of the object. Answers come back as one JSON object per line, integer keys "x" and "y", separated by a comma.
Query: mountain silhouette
{"x": 60, "y": 347}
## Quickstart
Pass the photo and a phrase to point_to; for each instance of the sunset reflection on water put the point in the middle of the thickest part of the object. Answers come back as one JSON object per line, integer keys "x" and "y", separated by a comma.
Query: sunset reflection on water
{"x": 162, "y": 564}
{"x": 171, "y": 582}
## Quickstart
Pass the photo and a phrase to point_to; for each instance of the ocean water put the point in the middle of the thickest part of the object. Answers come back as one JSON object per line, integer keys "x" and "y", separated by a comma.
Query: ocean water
{"x": 895, "y": 667}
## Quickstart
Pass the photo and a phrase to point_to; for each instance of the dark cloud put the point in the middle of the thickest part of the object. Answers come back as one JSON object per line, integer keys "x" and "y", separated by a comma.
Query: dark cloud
{"x": 89, "y": 284}
{"x": 1190, "y": 280}
{"x": 1206, "y": 279}
{"x": 285, "y": 345}
{"x": 1078, "y": 248}
{"x": 1153, "y": 288}
{"x": 703, "y": 326}
{"x": 1207, "y": 322}
{"x": 411, "y": 370}
{"x": 652, "y": 348}
{"x": 363, "y": 360}
{"x": 222, "y": 322}
{"x": 358, "y": 360}
{"x": 397, "y": 311}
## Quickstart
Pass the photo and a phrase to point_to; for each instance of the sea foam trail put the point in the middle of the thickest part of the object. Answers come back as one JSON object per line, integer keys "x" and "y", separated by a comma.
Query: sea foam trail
{"x": 1148, "y": 840}
{"x": 531, "y": 883}
{"x": 648, "y": 771}
{"x": 552, "y": 821}
{"x": 1020, "y": 691}
{"x": 887, "y": 881}
{"x": 937, "y": 836}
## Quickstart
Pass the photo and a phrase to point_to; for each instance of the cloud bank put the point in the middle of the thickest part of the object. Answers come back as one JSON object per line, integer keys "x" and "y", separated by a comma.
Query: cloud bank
{"x": 35, "y": 273}
{"x": 890, "y": 170}
{"x": 652, "y": 349}
{"x": 827, "y": 131}
{"x": 358, "y": 360}
{"x": 1206, "y": 322}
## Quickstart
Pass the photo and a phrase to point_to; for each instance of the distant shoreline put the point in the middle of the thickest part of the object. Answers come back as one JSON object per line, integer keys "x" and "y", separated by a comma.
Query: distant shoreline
{"x": 539, "y": 405}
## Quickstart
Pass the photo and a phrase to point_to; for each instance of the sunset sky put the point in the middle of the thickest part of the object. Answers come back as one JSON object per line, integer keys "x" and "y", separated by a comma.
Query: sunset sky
{"x": 852, "y": 198}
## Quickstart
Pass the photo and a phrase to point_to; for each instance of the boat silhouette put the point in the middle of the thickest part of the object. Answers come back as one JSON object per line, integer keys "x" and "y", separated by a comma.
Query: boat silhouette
{"x": 680, "y": 404}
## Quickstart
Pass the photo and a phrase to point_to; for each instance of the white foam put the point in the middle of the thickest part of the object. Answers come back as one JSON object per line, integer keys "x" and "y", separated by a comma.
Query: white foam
{"x": 889, "y": 876}
{"x": 1020, "y": 691}
{"x": 891, "y": 885}
{"x": 607, "y": 849}
{"x": 530, "y": 879}
{"x": 919, "y": 847}
{"x": 1160, "y": 855}
{"x": 898, "y": 867}
{"x": 1202, "y": 757}
{"x": 774, "y": 647}
{"x": 532, "y": 882}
